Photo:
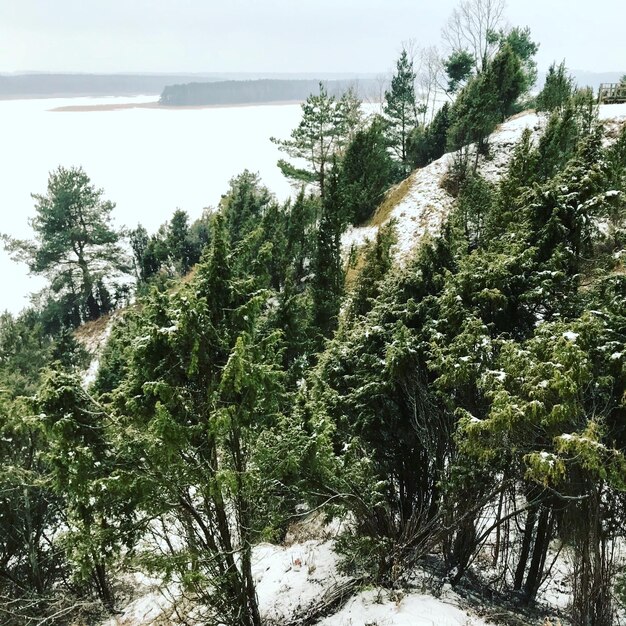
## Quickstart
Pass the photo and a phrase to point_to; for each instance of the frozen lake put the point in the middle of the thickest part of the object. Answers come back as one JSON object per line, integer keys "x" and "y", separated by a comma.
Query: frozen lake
{"x": 148, "y": 161}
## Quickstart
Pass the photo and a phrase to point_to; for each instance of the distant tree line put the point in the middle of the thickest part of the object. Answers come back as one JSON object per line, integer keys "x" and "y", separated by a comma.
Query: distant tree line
{"x": 72, "y": 85}
{"x": 253, "y": 91}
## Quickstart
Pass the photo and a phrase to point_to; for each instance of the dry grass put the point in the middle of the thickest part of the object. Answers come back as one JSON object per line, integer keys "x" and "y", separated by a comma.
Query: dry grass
{"x": 90, "y": 330}
{"x": 189, "y": 276}
{"x": 394, "y": 196}
{"x": 518, "y": 115}
{"x": 354, "y": 267}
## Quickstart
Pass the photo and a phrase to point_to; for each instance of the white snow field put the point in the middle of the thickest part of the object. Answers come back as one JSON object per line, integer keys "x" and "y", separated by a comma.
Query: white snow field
{"x": 149, "y": 162}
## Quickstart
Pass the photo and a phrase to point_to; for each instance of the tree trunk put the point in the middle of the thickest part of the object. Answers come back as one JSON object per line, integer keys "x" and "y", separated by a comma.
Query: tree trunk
{"x": 529, "y": 527}
{"x": 542, "y": 541}
{"x": 593, "y": 567}
{"x": 496, "y": 549}
{"x": 34, "y": 573}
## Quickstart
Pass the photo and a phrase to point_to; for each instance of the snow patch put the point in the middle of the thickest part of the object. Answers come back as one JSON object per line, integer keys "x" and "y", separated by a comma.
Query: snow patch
{"x": 397, "y": 609}
{"x": 93, "y": 343}
{"x": 290, "y": 579}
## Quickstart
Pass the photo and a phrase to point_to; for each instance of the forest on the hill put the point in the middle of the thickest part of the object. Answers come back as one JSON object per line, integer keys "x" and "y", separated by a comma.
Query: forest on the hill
{"x": 256, "y": 369}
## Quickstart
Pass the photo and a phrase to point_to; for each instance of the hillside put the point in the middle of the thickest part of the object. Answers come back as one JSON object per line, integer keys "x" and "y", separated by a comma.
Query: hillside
{"x": 419, "y": 205}
{"x": 397, "y": 397}
{"x": 298, "y": 577}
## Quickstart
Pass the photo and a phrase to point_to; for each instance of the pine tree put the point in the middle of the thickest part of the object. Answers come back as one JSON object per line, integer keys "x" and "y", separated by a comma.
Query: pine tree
{"x": 557, "y": 90}
{"x": 326, "y": 127}
{"x": 328, "y": 279}
{"x": 366, "y": 173}
{"x": 525, "y": 49}
{"x": 243, "y": 205}
{"x": 486, "y": 100}
{"x": 75, "y": 246}
{"x": 429, "y": 144}
{"x": 377, "y": 262}
{"x": 459, "y": 66}
{"x": 83, "y": 474}
{"x": 178, "y": 242}
{"x": 400, "y": 108}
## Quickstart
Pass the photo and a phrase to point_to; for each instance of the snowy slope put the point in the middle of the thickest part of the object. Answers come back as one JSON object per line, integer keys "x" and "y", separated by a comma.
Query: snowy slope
{"x": 293, "y": 578}
{"x": 425, "y": 206}
{"x": 93, "y": 337}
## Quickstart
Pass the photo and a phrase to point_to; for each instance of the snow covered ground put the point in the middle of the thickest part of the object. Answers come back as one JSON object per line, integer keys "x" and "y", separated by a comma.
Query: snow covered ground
{"x": 291, "y": 579}
{"x": 411, "y": 609}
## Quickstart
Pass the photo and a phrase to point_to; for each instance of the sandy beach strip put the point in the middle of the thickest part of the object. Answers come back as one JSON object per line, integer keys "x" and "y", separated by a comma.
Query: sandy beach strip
{"x": 155, "y": 105}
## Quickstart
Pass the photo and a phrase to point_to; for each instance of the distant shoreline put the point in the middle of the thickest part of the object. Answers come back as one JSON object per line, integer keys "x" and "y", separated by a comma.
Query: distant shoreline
{"x": 85, "y": 108}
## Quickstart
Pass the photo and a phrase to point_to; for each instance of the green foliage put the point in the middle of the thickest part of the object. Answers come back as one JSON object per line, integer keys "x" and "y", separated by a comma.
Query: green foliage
{"x": 30, "y": 563}
{"x": 426, "y": 145}
{"x": 173, "y": 250}
{"x": 474, "y": 204}
{"x": 525, "y": 49}
{"x": 474, "y": 114}
{"x": 458, "y": 66}
{"x": 75, "y": 246}
{"x": 178, "y": 242}
{"x": 325, "y": 129}
{"x": 373, "y": 382}
{"x": 84, "y": 474}
{"x": 400, "y": 108}
{"x": 616, "y": 196}
{"x": 480, "y": 379}
{"x": 328, "y": 278}
{"x": 197, "y": 380}
{"x": 557, "y": 89}
{"x": 377, "y": 262}
{"x": 506, "y": 76}
{"x": 243, "y": 205}
{"x": 24, "y": 351}
{"x": 487, "y": 99}
{"x": 367, "y": 171}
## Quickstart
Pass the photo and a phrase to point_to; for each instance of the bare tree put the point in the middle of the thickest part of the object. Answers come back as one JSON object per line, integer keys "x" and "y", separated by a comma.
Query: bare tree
{"x": 470, "y": 26}
{"x": 430, "y": 78}
{"x": 382, "y": 85}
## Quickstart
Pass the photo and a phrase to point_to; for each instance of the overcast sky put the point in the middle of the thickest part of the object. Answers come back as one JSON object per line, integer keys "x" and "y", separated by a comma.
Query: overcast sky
{"x": 279, "y": 35}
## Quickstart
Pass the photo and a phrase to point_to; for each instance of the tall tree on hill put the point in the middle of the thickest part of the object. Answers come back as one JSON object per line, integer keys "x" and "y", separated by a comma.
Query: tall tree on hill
{"x": 426, "y": 144}
{"x": 525, "y": 49}
{"x": 400, "y": 108}
{"x": 244, "y": 204}
{"x": 557, "y": 90}
{"x": 326, "y": 126}
{"x": 366, "y": 172}
{"x": 179, "y": 243}
{"x": 459, "y": 67}
{"x": 486, "y": 100}
{"x": 76, "y": 248}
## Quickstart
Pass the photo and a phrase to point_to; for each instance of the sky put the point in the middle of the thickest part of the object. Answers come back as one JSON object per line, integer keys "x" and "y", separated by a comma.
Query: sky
{"x": 206, "y": 36}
